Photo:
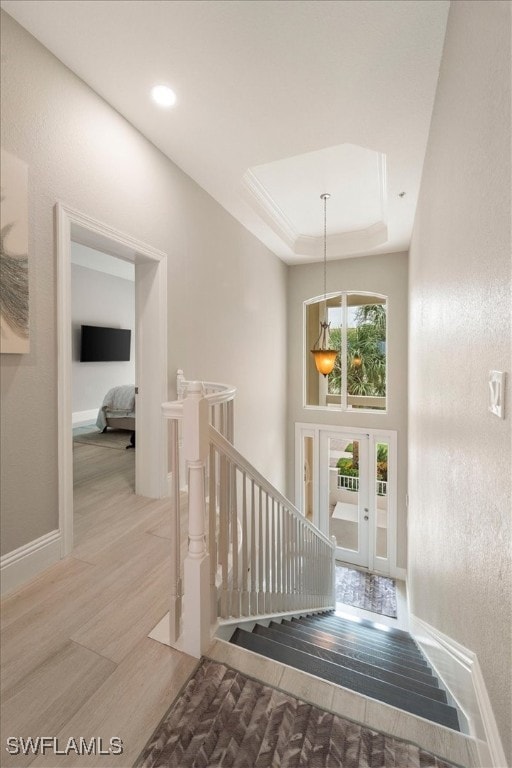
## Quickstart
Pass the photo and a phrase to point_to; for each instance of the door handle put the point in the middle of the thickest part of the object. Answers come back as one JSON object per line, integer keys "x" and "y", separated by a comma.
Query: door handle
{"x": 366, "y": 515}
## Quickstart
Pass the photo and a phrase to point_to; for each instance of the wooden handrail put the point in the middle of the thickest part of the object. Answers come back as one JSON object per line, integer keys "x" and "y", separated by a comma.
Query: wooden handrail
{"x": 234, "y": 456}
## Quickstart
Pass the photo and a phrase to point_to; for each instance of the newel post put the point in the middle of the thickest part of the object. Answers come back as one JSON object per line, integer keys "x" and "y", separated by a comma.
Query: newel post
{"x": 196, "y": 614}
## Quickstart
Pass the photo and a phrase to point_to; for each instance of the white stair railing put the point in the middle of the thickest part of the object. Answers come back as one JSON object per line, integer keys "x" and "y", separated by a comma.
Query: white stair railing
{"x": 265, "y": 557}
{"x": 250, "y": 551}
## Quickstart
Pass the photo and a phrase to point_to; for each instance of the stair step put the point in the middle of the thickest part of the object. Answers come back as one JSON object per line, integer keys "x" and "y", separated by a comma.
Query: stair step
{"x": 324, "y": 640}
{"x": 383, "y": 635}
{"x": 356, "y": 645}
{"x": 397, "y": 634}
{"x": 422, "y": 706}
{"x": 365, "y": 637}
{"x": 409, "y": 684}
{"x": 365, "y": 643}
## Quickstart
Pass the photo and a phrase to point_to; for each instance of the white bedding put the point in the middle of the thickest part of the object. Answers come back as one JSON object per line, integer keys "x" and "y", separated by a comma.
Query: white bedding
{"x": 119, "y": 402}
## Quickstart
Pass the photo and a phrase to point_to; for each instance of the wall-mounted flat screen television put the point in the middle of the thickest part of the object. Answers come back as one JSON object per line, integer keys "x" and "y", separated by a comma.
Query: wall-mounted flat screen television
{"x": 99, "y": 345}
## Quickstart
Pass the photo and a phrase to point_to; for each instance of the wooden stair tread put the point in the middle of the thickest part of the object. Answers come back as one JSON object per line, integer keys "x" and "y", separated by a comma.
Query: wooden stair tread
{"x": 366, "y": 660}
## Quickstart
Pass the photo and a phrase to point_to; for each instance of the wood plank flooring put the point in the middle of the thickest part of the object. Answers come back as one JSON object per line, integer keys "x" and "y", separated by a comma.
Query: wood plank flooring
{"x": 76, "y": 659}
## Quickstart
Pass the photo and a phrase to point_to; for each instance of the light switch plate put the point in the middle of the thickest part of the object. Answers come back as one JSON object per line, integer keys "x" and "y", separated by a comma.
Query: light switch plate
{"x": 497, "y": 393}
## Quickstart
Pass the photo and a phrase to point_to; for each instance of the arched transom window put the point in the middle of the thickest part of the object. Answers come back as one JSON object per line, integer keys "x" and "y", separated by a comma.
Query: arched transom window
{"x": 358, "y": 323}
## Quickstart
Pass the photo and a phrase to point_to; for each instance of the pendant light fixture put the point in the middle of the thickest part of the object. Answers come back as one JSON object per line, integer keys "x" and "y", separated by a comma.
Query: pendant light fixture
{"x": 324, "y": 356}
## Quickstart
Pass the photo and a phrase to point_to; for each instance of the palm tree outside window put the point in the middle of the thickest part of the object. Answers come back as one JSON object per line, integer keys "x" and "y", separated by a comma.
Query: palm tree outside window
{"x": 358, "y": 328}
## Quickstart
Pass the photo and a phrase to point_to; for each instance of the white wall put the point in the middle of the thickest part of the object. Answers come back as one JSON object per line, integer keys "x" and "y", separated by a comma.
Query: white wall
{"x": 460, "y": 454}
{"x": 227, "y": 292}
{"x": 387, "y": 274}
{"x": 98, "y": 298}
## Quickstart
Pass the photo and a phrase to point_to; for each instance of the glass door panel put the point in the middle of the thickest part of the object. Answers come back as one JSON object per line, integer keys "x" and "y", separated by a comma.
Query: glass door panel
{"x": 346, "y": 485}
{"x": 307, "y": 493}
{"x": 380, "y": 476}
{"x": 345, "y": 498}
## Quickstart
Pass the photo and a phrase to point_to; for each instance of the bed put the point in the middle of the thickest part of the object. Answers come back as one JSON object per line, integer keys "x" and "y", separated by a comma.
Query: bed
{"x": 118, "y": 410}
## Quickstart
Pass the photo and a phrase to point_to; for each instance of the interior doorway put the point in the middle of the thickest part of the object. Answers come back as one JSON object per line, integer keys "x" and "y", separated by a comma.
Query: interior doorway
{"x": 151, "y": 355}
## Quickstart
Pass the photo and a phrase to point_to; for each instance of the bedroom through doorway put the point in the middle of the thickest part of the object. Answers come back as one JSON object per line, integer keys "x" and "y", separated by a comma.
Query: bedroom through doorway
{"x": 112, "y": 353}
{"x": 103, "y": 385}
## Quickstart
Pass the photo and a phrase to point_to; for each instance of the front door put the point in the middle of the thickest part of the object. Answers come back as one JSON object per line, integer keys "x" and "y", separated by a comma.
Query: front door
{"x": 346, "y": 485}
{"x": 344, "y": 494}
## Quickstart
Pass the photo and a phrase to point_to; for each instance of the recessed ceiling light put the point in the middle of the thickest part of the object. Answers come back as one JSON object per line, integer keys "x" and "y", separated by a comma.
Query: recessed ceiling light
{"x": 163, "y": 95}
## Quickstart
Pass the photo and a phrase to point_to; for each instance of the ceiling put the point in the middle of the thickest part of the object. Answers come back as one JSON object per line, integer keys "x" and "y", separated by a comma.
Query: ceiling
{"x": 278, "y": 101}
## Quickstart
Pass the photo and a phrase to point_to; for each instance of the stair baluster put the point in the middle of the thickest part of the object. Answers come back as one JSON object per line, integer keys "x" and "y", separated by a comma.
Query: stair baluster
{"x": 256, "y": 553}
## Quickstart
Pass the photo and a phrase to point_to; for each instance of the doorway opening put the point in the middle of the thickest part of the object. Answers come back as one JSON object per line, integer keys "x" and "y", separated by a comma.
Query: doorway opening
{"x": 150, "y": 268}
{"x": 346, "y": 484}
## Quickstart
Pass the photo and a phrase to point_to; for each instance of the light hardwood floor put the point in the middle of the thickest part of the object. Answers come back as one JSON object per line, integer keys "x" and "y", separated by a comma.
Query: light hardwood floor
{"x": 76, "y": 659}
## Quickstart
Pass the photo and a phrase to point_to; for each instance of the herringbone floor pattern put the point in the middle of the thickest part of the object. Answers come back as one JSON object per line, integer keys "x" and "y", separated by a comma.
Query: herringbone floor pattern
{"x": 224, "y": 719}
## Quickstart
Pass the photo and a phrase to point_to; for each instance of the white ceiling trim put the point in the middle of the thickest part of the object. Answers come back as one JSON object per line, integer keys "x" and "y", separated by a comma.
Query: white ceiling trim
{"x": 339, "y": 244}
{"x": 257, "y": 81}
{"x": 343, "y": 244}
{"x": 267, "y": 208}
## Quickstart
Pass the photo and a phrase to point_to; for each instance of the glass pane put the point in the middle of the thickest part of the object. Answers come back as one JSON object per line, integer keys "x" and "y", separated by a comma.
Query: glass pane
{"x": 322, "y": 390}
{"x": 366, "y": 351}
{"x": 381, "y": 499}
{"x": 308, "y": 478}
{"x": 344, "y": 492}
{"x": 334, "y": 318}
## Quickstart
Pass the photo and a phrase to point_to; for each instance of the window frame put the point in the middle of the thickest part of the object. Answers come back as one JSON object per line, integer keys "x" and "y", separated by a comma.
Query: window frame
{"x": 343, "y": 406}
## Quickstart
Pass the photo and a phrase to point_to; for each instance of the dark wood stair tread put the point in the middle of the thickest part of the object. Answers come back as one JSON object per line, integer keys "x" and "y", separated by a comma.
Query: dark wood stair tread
{"x": 401, "y": 635}
{"x": 408, "y": 683}
{"x": 391, "y": 694}
{"x": 377, "y": 634}
{"x": 359, "y": 647}
{"x": 326, "y": 641}
{"x": 371, "y": 638}
{"x": 361, "y": 683}
{"x": 398, "y": 635}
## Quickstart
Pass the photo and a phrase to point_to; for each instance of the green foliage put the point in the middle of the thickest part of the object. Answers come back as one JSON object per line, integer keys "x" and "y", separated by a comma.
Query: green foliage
{"x": 345, "y": 467}
{"x": 366, "y": 358}
{"x": 382, "y": 461}
{"x": 382, "y": 452}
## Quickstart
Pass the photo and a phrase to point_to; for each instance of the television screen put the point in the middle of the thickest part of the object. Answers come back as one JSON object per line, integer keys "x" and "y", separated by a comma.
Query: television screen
{"x": 104, "y": 344}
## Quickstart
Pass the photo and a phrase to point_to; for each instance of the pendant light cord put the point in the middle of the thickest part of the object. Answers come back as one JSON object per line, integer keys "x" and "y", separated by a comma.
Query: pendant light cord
{"x": 325, "y": 247}
{"x": 325, "y": 197}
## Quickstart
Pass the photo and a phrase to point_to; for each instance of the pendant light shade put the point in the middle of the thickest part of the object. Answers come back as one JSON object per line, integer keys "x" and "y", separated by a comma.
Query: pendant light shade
{"x": 323, "y": 355}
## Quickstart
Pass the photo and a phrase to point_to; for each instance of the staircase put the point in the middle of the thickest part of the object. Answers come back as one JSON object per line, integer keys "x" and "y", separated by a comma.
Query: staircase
{"x": 252, "y": 555}
{"x": 383, "y": 664}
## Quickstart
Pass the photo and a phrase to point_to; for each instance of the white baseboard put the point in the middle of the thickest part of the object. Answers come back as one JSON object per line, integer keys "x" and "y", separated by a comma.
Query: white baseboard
{"x": 22, "y": 564}
{"x": 84, "y": 417}
{"x": 460, "y": 673}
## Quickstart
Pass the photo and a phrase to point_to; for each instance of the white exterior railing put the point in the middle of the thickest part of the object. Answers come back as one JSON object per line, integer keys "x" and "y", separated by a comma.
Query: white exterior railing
{"x": 250, "y": 551}
{"x": 382, "y": 487}
{"x": 350, "y": 483}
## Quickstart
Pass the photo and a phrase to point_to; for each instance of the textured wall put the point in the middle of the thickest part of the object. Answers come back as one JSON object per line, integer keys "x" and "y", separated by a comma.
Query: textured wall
{"x": 386, "y": 273}
{"x": 99, "y": 299}
{"x": 227, "y": 293}
{"x": 460, "y": 454}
